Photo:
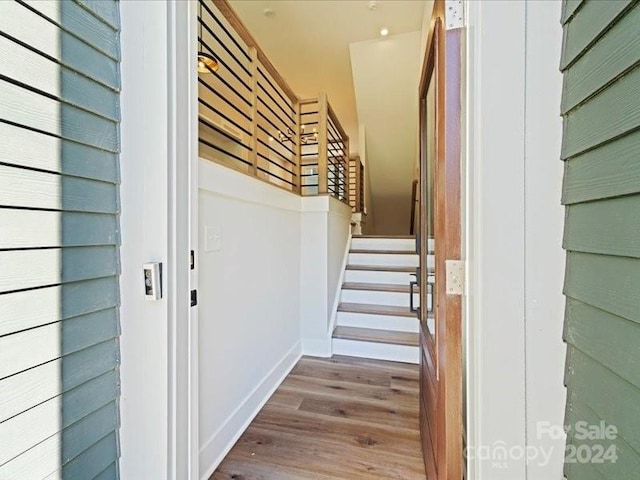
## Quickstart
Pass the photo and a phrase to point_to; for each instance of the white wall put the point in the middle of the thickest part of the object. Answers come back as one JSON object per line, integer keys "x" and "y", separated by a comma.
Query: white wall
{"x": 386, "y": 73}
{"x": 249, "y": 302}
{"x": 514, "y": 224}
{"x": 325, "y": 233}
{"x": 265, "y": 296}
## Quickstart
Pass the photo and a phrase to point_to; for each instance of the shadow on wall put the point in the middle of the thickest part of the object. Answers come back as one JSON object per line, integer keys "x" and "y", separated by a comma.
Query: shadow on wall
{"x": 393, "y": 215}
{"x": 60, "y": 236}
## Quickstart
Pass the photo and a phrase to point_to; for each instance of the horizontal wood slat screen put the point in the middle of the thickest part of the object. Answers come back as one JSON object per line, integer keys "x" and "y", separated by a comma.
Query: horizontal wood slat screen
{"x": 337, "y": 157}
{"x": 356, "y": 184}
{"x": 250, "y": 119}
{"x": 324, "y": 150}
{"x": 309, "y": 126}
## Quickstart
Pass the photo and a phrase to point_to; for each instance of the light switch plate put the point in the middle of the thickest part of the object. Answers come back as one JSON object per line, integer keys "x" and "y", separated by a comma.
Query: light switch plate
{"x": 212, "y": 239}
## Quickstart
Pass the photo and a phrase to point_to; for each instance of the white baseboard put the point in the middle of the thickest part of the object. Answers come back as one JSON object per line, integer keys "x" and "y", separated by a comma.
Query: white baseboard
{"x": 317, "y": 347}
{"x": 217, "y": 447}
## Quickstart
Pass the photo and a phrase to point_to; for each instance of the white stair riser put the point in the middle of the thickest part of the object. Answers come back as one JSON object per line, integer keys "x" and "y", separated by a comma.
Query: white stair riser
{"x": 379, "y": 322}
{"x": 372, "y": 276}
{"x": 407, "y": 244}
{"x": 369, "y": 297}
{"x": 380, "y": 351}
{"x": 387, "y": 260}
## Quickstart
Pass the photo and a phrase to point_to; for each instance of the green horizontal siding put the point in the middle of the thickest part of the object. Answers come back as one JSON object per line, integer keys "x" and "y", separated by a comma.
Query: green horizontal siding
{"x": 616, "y": 232}
{"x": 93, "y": 460}
{"x": 36, "y": 229}
{"x": 59, "y": 240}
{"x": 110, "y": 473}
{"x": 89, "y": 397}
{"x": 601, "y": 191}
{"x": 582, "y": 471}
{"x": 77, "y": 20}
{"x": 627, "y": 461}
{"x": 34, "y": 111}
{"x": 610, "y": 114}
{"x": 611, "y": 170}
{"x": 606, "y": 282}
{"x": 569, "y": 8}
{"x": 89, "y": 431}
{"x": 107, "y": 11}
{"x": 19, "y": 268}
{"x": 587, "y": 25}
{"x": 48, "y": 39}
{"x": 31, "y": 308}
{"x": 27, "y": 188}
{"x": 25, "y": 66}
{"x": 594, "y": 331}
{"x": 613, "y": 400}
{"x": 29, "y": 149}
{"x": 615, "y": 53}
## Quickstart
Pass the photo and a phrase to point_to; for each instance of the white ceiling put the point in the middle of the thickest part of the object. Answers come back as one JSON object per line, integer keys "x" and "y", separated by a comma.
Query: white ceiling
{"x": 313, "y": 43}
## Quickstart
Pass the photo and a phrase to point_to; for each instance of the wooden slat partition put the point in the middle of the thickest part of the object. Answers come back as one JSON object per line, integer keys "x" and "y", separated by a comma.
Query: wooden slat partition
{"x": 251, "y": 121}
{"x": 356, "y": 184}
{"x": 227, "y": 97}
{"x": 324, "y": 150}
{"x": 248, "y": 114}
{"x": 323, "y": 160}
{"x": 309, "y": 137}
{"x": 276, "y": 139}
{"x": 337, "y": 148}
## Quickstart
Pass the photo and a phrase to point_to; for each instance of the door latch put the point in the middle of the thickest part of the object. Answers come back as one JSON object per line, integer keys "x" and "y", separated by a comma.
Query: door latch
{"x": 194, "y": 298}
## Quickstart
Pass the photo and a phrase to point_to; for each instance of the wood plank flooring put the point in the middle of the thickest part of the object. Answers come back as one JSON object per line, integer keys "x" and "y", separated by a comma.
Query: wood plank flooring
{"x": 334, "y": 419}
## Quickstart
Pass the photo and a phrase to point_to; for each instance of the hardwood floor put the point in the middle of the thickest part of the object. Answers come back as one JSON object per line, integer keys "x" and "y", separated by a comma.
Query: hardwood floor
{"x": 341, "y": 419}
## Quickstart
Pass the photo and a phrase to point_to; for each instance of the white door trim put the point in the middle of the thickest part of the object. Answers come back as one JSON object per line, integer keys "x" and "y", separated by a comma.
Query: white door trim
{"x": 183, "y": 236}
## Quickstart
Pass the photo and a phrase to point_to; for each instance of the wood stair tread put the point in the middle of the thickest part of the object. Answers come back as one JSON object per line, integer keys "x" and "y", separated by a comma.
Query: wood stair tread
{"x": 376, "y": 309}
{"x": 392, "y": 337}
{"x": 377, "y": 287}
{"x": 383, "y": 252}
{"x": 389, "y": 237}
{"x": 384, "y": 268}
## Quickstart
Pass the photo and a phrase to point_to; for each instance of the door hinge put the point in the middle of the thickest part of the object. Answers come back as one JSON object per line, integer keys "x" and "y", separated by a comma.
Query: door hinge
{"x": 192, "y": 260}
{"x": 194, "y": 298}
{"x": 455, "y": 277}
{"x": 453, "y": 14}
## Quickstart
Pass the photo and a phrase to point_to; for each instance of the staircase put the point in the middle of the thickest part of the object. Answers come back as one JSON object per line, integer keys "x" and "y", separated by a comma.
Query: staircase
{"x": 374, "y": 319}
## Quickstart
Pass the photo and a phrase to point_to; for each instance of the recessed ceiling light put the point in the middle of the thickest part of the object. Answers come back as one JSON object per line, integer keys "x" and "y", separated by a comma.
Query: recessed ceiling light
{"x": 372, "y": 5}
{"x": 269, "y": 12}
{"x": 384, "y": 31}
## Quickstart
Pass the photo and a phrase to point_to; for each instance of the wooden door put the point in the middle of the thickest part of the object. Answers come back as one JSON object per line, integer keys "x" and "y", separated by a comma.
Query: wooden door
{"x": 440, "y": 230}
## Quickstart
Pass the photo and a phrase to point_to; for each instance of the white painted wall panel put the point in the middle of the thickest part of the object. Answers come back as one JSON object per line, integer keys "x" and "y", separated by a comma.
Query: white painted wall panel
{"x": 249, "y": 298}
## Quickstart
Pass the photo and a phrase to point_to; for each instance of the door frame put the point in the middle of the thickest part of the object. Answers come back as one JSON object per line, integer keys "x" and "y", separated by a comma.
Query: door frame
{"x": 158, "y": 419}
{"x": 184, "y": 446}
{"x": 443, "y": 63}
